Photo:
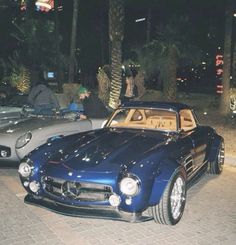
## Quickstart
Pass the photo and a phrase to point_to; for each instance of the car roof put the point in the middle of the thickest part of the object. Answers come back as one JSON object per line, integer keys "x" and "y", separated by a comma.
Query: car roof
{"x": 174, "y": 106}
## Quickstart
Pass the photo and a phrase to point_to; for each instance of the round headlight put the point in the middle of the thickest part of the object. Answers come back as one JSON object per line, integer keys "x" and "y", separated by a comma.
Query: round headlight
{"x": 23, "y": 140}
{"x": 25, "y": 169}
{"x": 34, "y": 186}
{"x": 130, "y": 186}
{"x": 114, "y": 200}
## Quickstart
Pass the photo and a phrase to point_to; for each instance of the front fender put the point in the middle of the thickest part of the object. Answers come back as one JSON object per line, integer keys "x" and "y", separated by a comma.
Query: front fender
{"x": 166, "y": 169}
{"x": 41, "y": 154}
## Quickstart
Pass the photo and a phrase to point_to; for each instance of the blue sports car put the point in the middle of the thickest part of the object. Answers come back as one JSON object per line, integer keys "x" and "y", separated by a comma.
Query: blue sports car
{"x": 138, "y": 167}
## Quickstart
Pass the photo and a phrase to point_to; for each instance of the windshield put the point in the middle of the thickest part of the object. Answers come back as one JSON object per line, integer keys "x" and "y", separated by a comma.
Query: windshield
{"x": 154, "y": 119}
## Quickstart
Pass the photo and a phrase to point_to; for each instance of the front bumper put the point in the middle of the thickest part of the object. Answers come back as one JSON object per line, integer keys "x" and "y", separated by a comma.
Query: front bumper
{"x": 99, "y": 212}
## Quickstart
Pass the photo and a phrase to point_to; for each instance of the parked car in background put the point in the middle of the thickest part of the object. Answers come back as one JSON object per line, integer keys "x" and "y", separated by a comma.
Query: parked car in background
{"x": 21, "y": 137}
{"x": 144, "y": 159}
{"x": 19, "y": 122}
{"x": 14, "y": 109}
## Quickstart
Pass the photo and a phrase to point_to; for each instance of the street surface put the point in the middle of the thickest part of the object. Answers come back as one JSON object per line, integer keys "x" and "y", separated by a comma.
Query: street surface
{"x": 209, "y": 218}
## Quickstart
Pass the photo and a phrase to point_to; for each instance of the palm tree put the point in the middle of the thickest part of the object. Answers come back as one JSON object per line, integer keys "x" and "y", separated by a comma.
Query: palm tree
{"x": 149, "y": 22}
{"x": 57, "y": 44}
{"x": 234, "y": 65}
{"x": 225, "y": 97}
{"x": 162, "y": 55}
{"x": 170, "y": 69}
{"x": 173, "y": 44}
{"x": 116, "y": 34}
{"x": 73, "y": 41}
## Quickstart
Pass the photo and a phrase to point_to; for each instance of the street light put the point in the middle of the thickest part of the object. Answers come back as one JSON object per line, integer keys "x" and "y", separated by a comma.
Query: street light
{"x": 140, "y": 20}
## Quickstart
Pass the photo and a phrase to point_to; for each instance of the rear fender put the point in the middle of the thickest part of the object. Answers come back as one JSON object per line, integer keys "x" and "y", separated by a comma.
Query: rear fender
{"x": 166, "y": 170}
{"x": 214, "y": 148}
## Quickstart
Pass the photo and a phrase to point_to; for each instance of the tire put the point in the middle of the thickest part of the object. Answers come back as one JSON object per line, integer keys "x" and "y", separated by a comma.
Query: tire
{"x": 216, "y": 167}
{"x": 171, "y": 206}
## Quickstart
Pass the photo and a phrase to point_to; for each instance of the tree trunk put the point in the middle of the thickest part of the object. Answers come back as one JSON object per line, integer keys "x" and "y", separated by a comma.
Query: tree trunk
{"x": 225, "y": 97}
{"x": 73, "y": 42}
{"x": 116, "y": 73}
{"x": 116, "y": 33}
{"x": 234, "y": 65}
{"x": 57, "y": 43}
{"x": 149, "y": 18}
{"x": 170, "y": 86}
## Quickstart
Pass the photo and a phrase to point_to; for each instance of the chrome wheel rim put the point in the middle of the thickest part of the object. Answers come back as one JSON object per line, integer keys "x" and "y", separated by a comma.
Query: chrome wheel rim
{"x": 221, "y": 157}
{"x": 177, "y": 198}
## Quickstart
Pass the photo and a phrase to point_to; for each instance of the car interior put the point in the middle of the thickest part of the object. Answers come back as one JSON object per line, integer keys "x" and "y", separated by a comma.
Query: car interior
{"x": 147, "y": 119}
{"x": 187, "y": 121}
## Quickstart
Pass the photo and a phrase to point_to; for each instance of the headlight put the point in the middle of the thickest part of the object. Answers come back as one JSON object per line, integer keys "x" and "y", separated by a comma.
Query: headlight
{"x": 25, "y": 169}
{"x": 23, "y": 140}
{"x": 34, "y": 186}
{"x": 130, "y": 185}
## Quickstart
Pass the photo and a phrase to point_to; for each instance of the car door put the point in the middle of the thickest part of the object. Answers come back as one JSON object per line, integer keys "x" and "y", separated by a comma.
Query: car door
{"x": 197, "y": 134}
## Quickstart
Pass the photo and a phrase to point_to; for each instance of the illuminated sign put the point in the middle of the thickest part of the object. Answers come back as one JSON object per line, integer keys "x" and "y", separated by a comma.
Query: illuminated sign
{"x": 44, "y": 5}
{"x": 23, "y": 5}
{"x": 219, "y": 73}
{"x": 47, "y": 5}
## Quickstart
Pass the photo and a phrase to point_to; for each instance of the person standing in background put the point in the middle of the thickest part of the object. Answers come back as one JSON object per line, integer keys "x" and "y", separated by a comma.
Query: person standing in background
{"x": 43, "y": 99}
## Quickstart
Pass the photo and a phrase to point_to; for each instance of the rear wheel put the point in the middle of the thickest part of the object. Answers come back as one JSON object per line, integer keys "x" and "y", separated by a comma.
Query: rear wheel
{"x": 216, "y": 166}
{"x": 171, "y": 206}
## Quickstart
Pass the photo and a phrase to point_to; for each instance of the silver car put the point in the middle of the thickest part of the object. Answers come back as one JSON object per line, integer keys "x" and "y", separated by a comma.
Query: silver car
{"x": 19, "y": 138}
{"x": 14, "y": 110}
{"x": 13, "y": 114}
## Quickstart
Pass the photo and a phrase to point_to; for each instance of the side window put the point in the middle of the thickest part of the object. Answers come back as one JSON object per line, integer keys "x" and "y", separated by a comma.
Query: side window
{"x": 187, "y": 121}
{"x": 137, "y": 116}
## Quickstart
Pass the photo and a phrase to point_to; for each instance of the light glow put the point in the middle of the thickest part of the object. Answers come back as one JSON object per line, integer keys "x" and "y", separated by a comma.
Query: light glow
{"x": 129, "y": 186}
{"x": 140, "y": 20}
{"x": 114, "y": 200}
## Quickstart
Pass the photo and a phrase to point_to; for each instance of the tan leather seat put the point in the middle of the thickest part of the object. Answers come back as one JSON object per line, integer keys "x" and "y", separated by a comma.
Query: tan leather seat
{"x": 153, "y": 122}
{"x": 166, "y": 123}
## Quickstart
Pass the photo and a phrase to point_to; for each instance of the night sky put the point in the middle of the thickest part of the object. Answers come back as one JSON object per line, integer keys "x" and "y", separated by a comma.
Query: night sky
{"x": 206, "y": 23}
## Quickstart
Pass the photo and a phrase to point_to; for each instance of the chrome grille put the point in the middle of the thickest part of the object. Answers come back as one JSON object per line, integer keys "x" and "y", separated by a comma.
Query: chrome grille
{"x": 81, "y": 191}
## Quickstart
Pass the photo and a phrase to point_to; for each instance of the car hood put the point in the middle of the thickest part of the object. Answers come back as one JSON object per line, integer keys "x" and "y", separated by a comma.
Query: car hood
{"x": 29, "y": 124}
{"x": 106, "y": 150}
{"x": 4, "y": 110}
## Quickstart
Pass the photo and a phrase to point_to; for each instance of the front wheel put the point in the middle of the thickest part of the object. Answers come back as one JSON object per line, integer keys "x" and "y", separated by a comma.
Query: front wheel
{"x": 171, "y": 206}
{"x": 216, "y": 167}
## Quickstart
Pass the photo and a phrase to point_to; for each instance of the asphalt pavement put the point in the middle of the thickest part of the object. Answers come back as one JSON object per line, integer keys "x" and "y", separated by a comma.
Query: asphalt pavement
{"x": 209, "y": 218}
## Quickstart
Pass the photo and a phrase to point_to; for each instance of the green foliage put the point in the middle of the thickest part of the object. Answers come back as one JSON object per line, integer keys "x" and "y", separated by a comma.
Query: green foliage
{"x": 20, "y": 78}
{"x": 175, "y": 34}
{"x": 151, "y": 58}
{"x": 37, "y": 41}
{"x": 3, "y": 69}
{"x": 104, "y": 83}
